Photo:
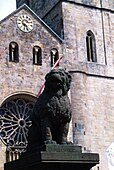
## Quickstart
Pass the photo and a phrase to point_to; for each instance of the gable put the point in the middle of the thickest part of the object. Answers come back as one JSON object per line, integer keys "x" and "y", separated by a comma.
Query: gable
{"x": 40, "y": 35}
{"x": 37, "y": 21}
{"x": 24, "y": 70}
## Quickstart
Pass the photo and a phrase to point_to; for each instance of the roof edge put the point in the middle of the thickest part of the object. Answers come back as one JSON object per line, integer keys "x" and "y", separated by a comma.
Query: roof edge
{"x": 24, "y": 6}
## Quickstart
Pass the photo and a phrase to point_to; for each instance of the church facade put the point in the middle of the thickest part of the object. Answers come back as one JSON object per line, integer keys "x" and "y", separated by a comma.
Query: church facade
{"x": 32, "y": 39}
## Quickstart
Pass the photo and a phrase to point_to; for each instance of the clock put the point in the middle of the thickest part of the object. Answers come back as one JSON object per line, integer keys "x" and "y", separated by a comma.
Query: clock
{"x": 25, "y": 23}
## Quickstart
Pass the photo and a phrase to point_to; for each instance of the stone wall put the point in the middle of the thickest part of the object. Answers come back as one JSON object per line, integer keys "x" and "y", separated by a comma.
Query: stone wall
{"x": 95, "y": 3}
{"x": 92, "y": 90}
{"x": 109, "y": 4}
{"x": 76, "y": 24}
{"x": 92, "y": 100}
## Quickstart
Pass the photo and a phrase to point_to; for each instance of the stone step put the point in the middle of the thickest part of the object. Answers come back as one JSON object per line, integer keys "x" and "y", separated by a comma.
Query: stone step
{"x": 62, "y": 148}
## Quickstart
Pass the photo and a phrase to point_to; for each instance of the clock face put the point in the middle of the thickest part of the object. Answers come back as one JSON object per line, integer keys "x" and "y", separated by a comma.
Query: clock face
{"x": 25, "y": 23}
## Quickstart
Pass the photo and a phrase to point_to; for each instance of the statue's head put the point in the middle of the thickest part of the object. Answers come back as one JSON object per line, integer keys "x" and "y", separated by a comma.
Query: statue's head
{"x": 58, "y": 79}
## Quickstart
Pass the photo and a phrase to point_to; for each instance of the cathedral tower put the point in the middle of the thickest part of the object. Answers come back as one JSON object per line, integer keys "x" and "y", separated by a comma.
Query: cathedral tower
{"x": 87, "y": 30}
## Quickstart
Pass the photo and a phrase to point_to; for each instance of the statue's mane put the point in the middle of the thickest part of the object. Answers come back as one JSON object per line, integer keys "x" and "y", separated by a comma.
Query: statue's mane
{"x": 59, "y": 76}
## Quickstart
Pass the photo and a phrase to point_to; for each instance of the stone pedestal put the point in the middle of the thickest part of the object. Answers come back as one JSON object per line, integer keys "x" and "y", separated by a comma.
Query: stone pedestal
{"x": 55, "y": 157}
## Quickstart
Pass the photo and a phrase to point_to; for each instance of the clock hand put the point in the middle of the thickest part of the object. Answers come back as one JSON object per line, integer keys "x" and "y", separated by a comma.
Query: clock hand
{"x": 24, "y": 23}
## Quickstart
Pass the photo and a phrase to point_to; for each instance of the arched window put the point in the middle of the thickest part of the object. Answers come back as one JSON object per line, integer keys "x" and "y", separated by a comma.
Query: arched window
{"x": 54, "y": 56}
{"x": 91, "y": 46}
{"x": 37, "y": 55}
{"x": 13, "y": 52}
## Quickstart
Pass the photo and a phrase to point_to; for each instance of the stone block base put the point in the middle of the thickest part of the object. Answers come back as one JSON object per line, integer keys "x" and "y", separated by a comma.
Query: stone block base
{"x": 55, "y": 157}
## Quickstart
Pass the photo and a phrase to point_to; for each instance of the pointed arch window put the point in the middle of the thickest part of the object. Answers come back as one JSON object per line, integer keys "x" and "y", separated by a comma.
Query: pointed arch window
{"x": 91, "y": 46}
{"x": 13, "y": 52}
{"x": 37, "y": 55}
{"x": 54, "y": 56}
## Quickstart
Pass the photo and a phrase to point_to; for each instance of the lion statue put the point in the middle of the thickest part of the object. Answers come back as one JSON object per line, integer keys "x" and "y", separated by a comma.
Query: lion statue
{"x": 52, "y": 111}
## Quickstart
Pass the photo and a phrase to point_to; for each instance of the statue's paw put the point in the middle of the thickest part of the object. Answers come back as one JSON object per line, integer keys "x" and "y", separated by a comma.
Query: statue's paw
{"x": 69, "y": 143}
{"x": 50, "y": 142}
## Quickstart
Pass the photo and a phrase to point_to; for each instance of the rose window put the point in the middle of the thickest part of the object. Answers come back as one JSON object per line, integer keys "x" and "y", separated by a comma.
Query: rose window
{"x": 15, "y": 121}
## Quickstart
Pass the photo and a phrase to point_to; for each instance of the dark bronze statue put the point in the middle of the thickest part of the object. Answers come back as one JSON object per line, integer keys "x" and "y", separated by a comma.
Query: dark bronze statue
{"x": 52, "y": 111}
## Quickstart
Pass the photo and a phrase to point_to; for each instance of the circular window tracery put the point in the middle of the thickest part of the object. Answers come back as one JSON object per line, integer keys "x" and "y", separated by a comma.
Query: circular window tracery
{"x": 15, "y": 121}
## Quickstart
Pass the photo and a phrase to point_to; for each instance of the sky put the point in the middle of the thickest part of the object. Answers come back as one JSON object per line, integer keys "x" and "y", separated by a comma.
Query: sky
{"x": 7, "y": 7}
